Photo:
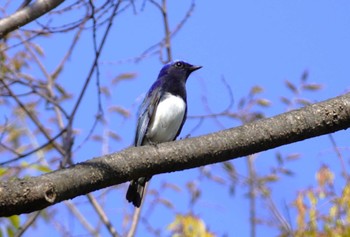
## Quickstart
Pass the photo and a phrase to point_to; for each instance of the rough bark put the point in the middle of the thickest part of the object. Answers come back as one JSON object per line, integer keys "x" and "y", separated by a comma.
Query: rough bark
{"x": 26, "y": 195}
{"x": 26, "y": 15}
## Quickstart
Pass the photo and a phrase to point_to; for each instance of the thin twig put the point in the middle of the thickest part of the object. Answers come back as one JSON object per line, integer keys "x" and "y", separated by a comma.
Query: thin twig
{"x": 50, "y": 81}
{"x": 53, "y": 101}
{"x": 92, "y": 69}
{"x": 166, "y": 44}
{"x": 103, "y": 217}
{"x": 279, "y": 217}
{"x": 98, "y": 50}
{"x": 69, "y": 52}
{"x": 167, "y": 32}
{"x": 150, "y": 51}
{"x": 94, "y": 65}
{"x": 205, "y": 103}
{"x": 27, "y": 224}
{"x": 100, "y": 109}
{"x": 33, "y": 118}
{"x": 252, "y": 194}
{"x": 49, "y": 142}
{"x": 136, "y": 216}
{"x": 340, "y": 157}
{"x": 81, "y": 218}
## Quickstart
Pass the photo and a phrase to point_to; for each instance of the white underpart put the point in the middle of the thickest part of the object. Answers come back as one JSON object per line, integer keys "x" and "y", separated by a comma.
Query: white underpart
{"x": 168, "y": 118}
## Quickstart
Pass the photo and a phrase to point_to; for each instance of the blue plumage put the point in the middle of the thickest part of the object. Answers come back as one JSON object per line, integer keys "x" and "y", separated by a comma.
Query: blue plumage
{"x": 161, "y": 115}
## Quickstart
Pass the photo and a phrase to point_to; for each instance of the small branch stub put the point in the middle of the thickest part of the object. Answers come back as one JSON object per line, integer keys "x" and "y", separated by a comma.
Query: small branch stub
{"x": 50, "y": 193}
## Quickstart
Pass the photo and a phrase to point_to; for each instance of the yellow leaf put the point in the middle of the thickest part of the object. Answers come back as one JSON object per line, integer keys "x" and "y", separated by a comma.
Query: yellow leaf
{"x": 189, "y": 226}
{"x": 15, "y": 221}
{"x": 42, "y": 168}
{"x": 333, "y": 211}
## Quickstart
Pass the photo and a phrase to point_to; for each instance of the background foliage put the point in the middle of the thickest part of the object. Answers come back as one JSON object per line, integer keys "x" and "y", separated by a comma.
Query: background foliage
{"x": 72, "y": 80}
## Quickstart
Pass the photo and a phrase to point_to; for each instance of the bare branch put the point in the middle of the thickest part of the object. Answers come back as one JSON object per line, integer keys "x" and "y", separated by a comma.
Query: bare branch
{"x": 252, "y": 194}
{"x": 95, "y": 63}
{"x": 20, "y": 156}
{"x": 35, "y": 120}
{"x": 167, "y": 44}
{"x": 30, "y": 194}
{"x": 340, "y": 157}
{"x": 26, "y": 15}
{"x": 27, "y": 224}
{"x": 81, "y": 218}
{"x": 136, "y": 216}
{"x": 103, "y": 217}
{"x": 154, "y": 48}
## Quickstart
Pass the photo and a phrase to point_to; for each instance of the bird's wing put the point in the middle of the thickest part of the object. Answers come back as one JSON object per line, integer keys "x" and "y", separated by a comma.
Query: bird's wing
{"x": 146, "y": 112}
{"x": 182, "y": 124}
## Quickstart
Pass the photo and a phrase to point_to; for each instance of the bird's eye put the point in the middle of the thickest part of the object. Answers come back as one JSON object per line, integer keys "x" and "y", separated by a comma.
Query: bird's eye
{"x": 179, "y": 64}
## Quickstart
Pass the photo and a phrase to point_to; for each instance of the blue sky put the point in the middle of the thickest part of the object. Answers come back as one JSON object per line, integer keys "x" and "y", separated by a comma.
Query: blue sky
{"x": 248, "y": 43}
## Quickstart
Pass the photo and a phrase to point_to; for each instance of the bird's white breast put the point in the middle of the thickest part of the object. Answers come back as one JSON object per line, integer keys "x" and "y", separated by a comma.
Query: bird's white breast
{"x": 167, "y": 119}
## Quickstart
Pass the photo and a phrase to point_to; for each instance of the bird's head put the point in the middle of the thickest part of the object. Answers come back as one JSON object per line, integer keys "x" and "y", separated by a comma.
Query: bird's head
{"x": 179, "y": 69}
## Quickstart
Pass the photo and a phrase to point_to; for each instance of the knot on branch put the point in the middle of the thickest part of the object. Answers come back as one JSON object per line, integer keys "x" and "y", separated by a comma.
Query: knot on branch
{"x": 50, "y": 193}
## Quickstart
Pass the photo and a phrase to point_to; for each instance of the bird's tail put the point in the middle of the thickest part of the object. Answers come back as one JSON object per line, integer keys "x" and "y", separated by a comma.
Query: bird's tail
{"x": 136, "y": 190}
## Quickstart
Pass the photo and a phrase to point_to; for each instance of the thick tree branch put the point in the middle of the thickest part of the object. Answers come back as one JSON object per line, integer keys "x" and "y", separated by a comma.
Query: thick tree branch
{"x": 26, "y": 195}
{"x": 26, "y": 15}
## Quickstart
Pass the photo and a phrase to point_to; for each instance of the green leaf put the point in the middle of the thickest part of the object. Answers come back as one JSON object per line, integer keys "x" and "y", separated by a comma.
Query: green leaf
{"x": 15, "y": 221}
{"x": 10, "y": 231}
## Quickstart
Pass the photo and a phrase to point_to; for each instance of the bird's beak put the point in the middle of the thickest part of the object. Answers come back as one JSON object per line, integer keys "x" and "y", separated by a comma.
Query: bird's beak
{"x": 194, "y": 68}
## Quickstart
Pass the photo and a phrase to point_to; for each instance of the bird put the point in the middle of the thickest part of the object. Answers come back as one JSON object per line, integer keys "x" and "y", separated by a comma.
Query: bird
{"x": 161, "y": 115}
